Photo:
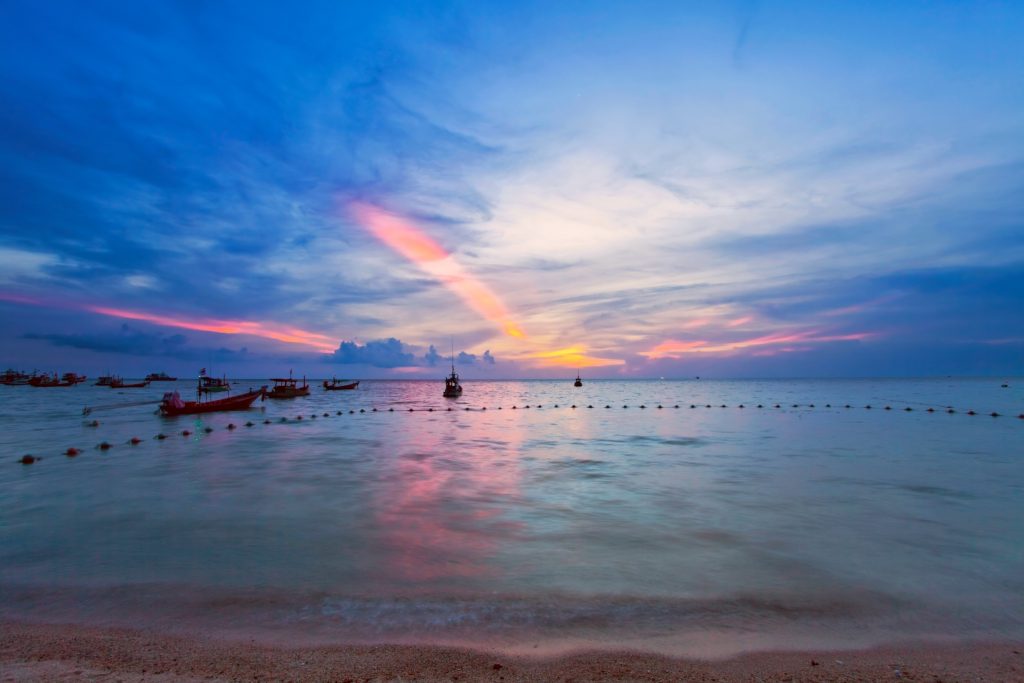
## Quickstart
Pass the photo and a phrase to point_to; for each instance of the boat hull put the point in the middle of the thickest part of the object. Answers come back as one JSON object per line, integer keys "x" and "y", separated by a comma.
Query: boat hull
{"x": 340, "y": 387}
{"x": 240, "y": 402}
{"x": 289, "y": 393}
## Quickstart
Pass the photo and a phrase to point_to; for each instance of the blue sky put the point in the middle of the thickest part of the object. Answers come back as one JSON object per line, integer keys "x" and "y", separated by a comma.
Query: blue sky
{"x": 640, "y": 189}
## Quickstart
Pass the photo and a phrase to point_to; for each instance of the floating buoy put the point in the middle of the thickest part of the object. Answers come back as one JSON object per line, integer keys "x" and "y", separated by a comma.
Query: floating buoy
{"x": 777, "y": 405}
{"x": 741, "y": 405}
{"x": 659, "y": 406}
{"x": 707, "y": 405}
{"x": 810, "y": 405}
{"x": 28, "y": 459}
{"x": 971, "y": 412}
{"x": 94, "y": 423}
{"x": 590, "y": 406}
{"x": 266, "y": 422}
{"x": 135, "y": 441}
{"x": 796, "y": 405}
{"x": 299, "y": 417}
{"x": 351, "y": 412}
{"x": 950, "y": 411}
{"x": 540, "y": 406}
{"x": 556, "y": 405}
{"x": 208, "y": 430}
{"x": 248, "y": 424}
{"x": 527, "y": 406}
{"x": 760, "y": 406}
{"x": 71, "y": 452}
{"x": 429, "y": 410}
{"x": 931, "y": 410}
{"x": 624, "y": 407}
{"x": 847, "y": 405}
{"x": 642, "y": 406}
{"x": 188, "y": 433}
{"x": 485, "y": 408}
{"x": 907, "y": 409}
{"x": 692, "y": 406}
{"x": 1021, "y": 416}
{"x": 327, "y": 414}
{"x": 103, "y": 446}
{"x": 574, "y": 406}
{"x": 391, "y": 410}
{"x": 867, "y": 407}
{"x": 1005, "y": 386}
{"x": 888, "y": 408}
{"x": 283, "y": 419}
{"x": 675, "y": 406}
{"x": 513, "y": 407}
{"x": 607, "y": 407}
{"x": 312, "y": 417}
{"x": 828, "y": 405}
{"x": 231, "y": 425}
{"x": 995, "y": 414}
{"x": 362, "y": 410}
{"x": 499, "y": 407}
{"x": 160, "y": 437}
{"x": 467, "y": 408}
{"x": 375, "y": 410}
{"x": 450, "y": 410}
{"x": 338, "y": 413}
{"x": 410, "y": 410}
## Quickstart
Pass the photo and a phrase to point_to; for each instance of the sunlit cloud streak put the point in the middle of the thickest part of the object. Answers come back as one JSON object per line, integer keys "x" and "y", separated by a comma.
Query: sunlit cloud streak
{"x": 408, "y": 240}
{"x": 265, "y": 330}
{"x": 676, "y": 349}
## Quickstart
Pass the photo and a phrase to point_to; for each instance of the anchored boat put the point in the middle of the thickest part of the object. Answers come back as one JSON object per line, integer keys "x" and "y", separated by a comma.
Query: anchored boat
{"x": 160, "y": 377}
{"x": 578, "y": 382}
{"x": 118, "y": 383}
{"x": 172, "y": 405}
{"x": 288, "y": 387}
{"x": 210, "y": 385}
{"x": 335, "y": 385}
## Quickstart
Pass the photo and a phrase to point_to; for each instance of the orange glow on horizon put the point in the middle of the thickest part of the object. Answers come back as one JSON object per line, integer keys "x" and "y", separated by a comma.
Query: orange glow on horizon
{"x": 408, "y": 240}
{"x": 570, "y": 357}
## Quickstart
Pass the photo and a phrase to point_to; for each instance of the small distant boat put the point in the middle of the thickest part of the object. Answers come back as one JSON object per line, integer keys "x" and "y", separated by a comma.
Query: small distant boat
{"x": 578, "y": 382}
{"x": 104, "y": 381}
{"x": 73, "y": 378}
{"x": 172, "y": 405}
{"x": 211, "y": 385}
{"x": 334, "y": 385}
{"x": 288, "y": 387}
{"x": 160, "y": 377}
{"x": 118, "y": 383}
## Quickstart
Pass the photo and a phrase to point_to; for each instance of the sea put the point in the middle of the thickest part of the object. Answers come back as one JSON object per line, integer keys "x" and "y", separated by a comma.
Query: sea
{"x": 698, "y": 517}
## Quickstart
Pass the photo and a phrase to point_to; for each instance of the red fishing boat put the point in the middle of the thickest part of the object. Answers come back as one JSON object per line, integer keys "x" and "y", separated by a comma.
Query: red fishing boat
{"x": 172, "y": 405}
{"x": 48, "y": 381}
{"x": 334, "y": 385}
{"x": 288, "y": 387}
{"x": 14, "y": 377}
{"x": 73, "y": 378}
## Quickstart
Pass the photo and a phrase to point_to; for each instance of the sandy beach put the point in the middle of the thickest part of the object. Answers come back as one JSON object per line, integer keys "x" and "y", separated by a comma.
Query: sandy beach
{"x": 33, "y": 652}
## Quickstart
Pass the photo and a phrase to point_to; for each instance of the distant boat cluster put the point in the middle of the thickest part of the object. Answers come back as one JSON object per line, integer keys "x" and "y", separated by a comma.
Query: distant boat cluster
{"x": 70, "y": 379}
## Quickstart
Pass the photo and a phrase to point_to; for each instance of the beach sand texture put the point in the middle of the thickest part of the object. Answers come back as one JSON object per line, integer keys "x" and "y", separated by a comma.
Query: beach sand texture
{"x": 77, "y": 653}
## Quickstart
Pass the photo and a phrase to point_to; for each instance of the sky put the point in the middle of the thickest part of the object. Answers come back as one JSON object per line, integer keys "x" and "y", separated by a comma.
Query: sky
{"x": 634, "y": 189}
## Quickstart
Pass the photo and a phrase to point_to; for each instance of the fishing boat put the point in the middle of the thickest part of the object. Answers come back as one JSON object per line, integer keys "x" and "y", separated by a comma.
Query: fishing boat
{"x": 160, "y": 377}
{"x": 578, "y": 382}
{"x": 287, "y": 387}
{"x": 452, "y": 388}
{"x": 118, "y": 383}
{"x": 335, "y": 385}
{"x": 210, "y": 385}
{"x": 172, "y": 405}
{"x": 14, "y": 378}
{"x": 73, "y": 378}
{"x": 49, "y": 381}
{"x": 104, "y": 381}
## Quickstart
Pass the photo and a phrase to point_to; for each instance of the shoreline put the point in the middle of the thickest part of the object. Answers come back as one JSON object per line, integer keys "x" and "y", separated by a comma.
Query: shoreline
{"x": 57, "y": 652}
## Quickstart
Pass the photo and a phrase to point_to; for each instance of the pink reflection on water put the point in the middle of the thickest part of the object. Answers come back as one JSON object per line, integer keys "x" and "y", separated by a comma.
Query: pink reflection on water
{"x": 441, "y": 510}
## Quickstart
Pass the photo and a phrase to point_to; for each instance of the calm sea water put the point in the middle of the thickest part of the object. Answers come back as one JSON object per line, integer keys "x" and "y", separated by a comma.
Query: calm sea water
{"x": 685, "y": 530}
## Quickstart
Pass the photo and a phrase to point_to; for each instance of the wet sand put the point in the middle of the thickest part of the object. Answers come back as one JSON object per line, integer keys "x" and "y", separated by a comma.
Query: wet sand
{"x": 33, "y": 652}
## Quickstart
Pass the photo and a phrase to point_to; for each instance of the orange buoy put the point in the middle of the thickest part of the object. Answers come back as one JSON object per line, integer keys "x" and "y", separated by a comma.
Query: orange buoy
{"x": 186, "y": 433}
{"x": 135, "y": 441}
{"x": 28, "y": 459}
{"x": 71, "y": 452}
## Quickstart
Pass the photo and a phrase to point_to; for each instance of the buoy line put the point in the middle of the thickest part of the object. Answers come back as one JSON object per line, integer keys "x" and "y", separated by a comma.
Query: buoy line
{"x": 71, "y": 452}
